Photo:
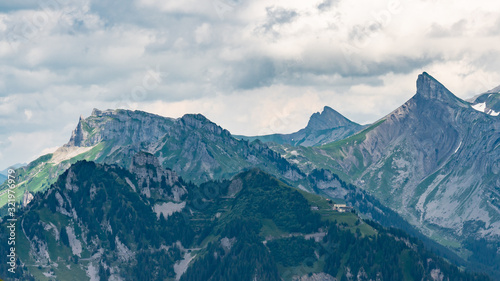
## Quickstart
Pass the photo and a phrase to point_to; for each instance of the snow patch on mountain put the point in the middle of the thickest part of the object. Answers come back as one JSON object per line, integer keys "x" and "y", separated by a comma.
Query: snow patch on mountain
{"x": 168, "y": 209}
{"x": 482, "y": 108}
{"x": 458, "y": 147}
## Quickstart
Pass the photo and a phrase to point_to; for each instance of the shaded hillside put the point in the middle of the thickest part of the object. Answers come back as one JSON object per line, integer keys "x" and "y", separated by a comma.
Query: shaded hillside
{"x": 101, "y": 221}
{"x": 193, "y": 146}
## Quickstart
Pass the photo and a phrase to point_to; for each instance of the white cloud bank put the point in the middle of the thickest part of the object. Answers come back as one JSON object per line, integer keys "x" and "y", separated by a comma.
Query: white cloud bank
{"x": 254, "y": 67}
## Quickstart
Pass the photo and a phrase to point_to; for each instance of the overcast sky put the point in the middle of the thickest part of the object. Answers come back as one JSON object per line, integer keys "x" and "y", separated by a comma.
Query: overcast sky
{"x": 253, "y": 67}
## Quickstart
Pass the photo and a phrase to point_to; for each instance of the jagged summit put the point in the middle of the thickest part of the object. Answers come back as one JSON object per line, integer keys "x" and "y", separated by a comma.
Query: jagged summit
{"x": 327, "y": 119}
{"x": 78, "y": 135}
{"x": 191, "y": 145}
{"x": 428, "y": 87}
{"x": 120, "y": 125}
{"x": 199, "y": 121}
{"x": 195, "y": 119}
{"x": 431, "y": 160}
{"x": 325, "y": 127}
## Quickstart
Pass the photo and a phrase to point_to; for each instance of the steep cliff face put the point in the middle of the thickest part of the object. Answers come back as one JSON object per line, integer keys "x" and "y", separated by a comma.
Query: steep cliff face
{"x": 123, "y": 127}
{"x": 325, "y": 127}
{"x": 192, "y": 146}
{"x": 200, "y": 150}
{"x": 435, "y": 160}
{"x": 154, "y": 181}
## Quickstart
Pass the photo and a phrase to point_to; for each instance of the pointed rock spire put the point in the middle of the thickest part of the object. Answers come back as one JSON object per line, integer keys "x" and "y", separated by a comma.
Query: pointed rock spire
{"x": 430, "y": 88}
{"x": 327, "y": 119}
{"x": 78, "y": 134}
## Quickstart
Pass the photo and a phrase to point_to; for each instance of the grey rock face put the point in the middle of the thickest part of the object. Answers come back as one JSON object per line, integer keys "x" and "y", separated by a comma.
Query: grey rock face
{"x": 315, "y": 277}
{"x": 154, "y": 180}
{"x": 78, "y": 135}
{"x": 120, "y": 126}
{"x": 434, "y": 160}
{"x": 328, "y": 119}
{"x": 325, "y": 127}
{"x": 192, "y": 146}
{"x": 27, "y": 197}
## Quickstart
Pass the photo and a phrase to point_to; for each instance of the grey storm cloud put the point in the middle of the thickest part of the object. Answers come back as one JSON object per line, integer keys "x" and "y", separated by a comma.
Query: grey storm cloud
{"x": 327, "y": 4}
{"x": 254, "y": 73}
{"x": 456, "y": 29}
{"x": 59, "y": 59}
{"x": 277, "y": 16}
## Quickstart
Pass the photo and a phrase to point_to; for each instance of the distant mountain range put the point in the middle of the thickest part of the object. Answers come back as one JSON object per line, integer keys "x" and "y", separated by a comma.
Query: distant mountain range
{"x": 430, "y": 167}
{"x": 434, "y": 160}
{"x": 5, "y": 173}
{"x": 102, "y": 222}
{"x": 325, "y": 127}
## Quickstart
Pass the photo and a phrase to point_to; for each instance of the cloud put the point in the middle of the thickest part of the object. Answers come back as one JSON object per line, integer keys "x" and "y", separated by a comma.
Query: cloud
{"x": 252, "y": 66}
{"x": 457, "y": 29}
{"x": 327, "y": 4}
{"x": 277, "y": 16}
{"x": 252, "y": 74}
{"x": 28, "y": 114}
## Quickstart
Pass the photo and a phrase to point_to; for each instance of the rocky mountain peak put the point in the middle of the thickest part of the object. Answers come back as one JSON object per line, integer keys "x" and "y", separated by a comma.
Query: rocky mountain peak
{"x": 78, "y": 135}
{"x": 431, "y": 89}
{"x": 121, "y": 126}
{"x": 327, "y": 119}
{"x": 99, "y": 113}
{"x": 195, "y": 120}
{"x": 198, "y": 121}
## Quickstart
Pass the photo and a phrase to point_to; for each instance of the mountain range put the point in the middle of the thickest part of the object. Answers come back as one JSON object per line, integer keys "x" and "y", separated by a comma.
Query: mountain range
{"x": 430, "y": 167}
{"x": 322, "y": 128}
{"x": 4, "y": 173}
{"x": 103, "y": 222}
{"x": 434, "y": 160}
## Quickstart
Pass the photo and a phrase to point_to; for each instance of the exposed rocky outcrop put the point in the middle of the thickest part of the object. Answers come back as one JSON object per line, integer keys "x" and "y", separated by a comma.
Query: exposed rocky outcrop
{"x": 27, "y": 197}
{"x": 315, "y": 277}
{"x": 325, "y": 127}
{"x": 120, "y": 126}
{"x": 192, "y": 146}
{"x": 435, "y": 160}
{"x": 154, "y": 180}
